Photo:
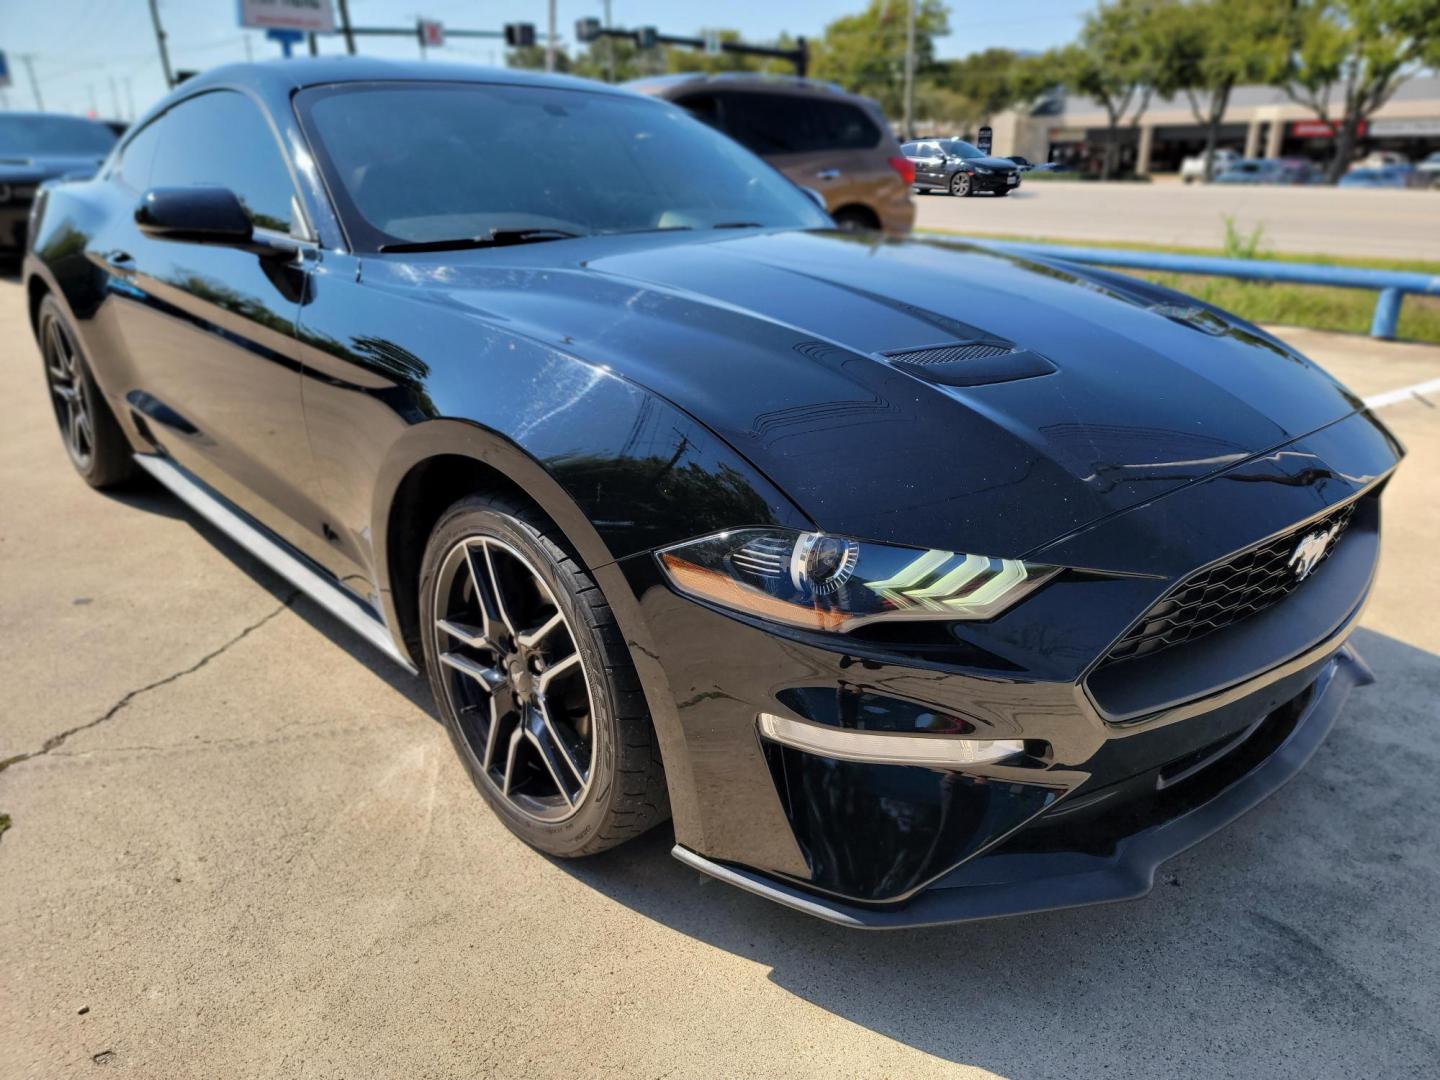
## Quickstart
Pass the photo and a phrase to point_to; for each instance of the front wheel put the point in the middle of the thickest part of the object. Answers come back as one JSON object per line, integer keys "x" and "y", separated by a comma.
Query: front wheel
{"x": 960, "y": 185}
{"x": 534, "y": 682}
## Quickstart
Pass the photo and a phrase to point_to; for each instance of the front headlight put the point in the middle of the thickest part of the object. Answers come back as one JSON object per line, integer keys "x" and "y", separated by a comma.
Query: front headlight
{"x": 982, "y": 169}
{"x": 824, "y": 582}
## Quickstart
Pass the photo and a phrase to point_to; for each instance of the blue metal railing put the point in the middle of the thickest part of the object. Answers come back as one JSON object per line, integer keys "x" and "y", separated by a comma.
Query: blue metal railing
{"x": 1392, "y": 285}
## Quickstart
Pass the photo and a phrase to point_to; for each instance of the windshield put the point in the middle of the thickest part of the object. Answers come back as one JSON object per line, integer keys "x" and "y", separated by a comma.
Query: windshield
{"x": 417, "y": 163}
{"x": 58, "y": 136}
{"x": 959, "y": 148}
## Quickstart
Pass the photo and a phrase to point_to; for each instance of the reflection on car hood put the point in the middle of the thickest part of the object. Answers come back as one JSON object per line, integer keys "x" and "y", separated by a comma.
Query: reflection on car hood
{"x": 777, "y": 342}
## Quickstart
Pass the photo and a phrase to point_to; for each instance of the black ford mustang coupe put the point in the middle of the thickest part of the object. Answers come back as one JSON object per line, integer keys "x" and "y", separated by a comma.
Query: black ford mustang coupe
{"x": 918, "y": 582}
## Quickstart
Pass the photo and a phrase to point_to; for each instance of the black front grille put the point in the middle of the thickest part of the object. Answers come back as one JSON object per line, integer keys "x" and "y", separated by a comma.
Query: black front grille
{"x": 946, "y": 354}
{"x": 1245, "y": 584}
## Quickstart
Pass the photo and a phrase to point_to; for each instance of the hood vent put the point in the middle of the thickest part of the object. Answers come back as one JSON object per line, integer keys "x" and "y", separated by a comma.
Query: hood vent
{"x": 970, "y": 363}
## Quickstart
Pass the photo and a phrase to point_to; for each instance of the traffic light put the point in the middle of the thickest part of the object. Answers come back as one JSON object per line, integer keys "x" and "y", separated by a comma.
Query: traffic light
{"x": 519, "y": 35}
{"x": 587, "y": 30}
{"x": 645, "y": 37}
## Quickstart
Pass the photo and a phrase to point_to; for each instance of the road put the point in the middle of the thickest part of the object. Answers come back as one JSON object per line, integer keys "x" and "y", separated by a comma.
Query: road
{"x": 1308, "y": 220}
{"x": 242, "y": 847}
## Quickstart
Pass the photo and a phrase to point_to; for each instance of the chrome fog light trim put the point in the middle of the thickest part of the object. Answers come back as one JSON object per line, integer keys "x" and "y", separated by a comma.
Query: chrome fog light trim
{"x": 886, "y": 748}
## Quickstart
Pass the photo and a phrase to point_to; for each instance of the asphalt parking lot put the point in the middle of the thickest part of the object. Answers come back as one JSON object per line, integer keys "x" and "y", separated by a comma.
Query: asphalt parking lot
{"x": 1305, "y": 220}
{"x": 240, "y": 845}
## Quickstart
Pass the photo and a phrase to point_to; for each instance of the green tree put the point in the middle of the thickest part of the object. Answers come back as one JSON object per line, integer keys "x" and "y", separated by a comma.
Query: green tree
{"x": 1115, "y": 62}
{"x": 987, "y": 80}
{"x": 532, "y": 57}
{"x": 865, "y": 52}
{"x": 1350, "y": 55}
{"x": 1206, "y": 48}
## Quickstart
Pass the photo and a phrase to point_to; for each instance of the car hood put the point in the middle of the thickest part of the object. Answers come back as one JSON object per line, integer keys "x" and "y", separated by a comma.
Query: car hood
{"x": 996, "y": 163}
{"x": 778, "y": 343}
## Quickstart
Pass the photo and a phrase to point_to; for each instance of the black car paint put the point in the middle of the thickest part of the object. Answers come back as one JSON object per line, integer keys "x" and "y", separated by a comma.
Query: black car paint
{"x": 22, "y": 171}
{"x": 649, "y": 388}
{"x": 937, "y": 172}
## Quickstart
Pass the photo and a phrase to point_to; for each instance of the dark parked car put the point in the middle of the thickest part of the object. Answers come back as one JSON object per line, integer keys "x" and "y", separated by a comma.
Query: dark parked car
{"x": 955, "y": 166}
{"x": 917, "y": 581}
{"x": 35, "y": 147}
{"x": 822, "y": 138}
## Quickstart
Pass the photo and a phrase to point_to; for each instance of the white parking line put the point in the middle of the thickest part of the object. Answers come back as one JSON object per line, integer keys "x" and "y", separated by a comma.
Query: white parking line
{"x": 1390, "y": 397}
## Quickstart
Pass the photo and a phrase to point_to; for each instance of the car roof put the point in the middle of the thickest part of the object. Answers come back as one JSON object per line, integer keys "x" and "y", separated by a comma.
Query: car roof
{"x": 286, "y": 76}
{"x": 740, "y": 80}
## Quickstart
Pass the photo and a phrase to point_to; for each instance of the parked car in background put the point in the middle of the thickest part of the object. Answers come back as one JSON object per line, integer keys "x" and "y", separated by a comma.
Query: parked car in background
{"x": 1428, "y": 170}
{"x": 955, "y": 166}
{"x": 1380, "y": 159}
{"x": 1193, "y": 167}
{"x": 1268, "y": 171}
{"x": 1388, "y": 176}
{"x": 1025, "y": 164}
{"x": 35, "y": 147}
{"x": 820, "y": 137}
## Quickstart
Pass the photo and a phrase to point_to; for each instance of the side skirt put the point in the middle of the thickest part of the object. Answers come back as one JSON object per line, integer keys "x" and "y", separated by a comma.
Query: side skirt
{"x": 274, "y": 554}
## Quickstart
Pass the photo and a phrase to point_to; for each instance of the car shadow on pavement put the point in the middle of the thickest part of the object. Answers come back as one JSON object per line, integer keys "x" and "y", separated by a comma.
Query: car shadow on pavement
{"x": 1302, "y": 940}
{"x": 148, "y": 495}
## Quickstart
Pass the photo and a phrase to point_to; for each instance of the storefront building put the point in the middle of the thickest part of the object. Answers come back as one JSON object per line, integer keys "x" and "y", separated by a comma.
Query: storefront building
{"x": 1260, "y": 122}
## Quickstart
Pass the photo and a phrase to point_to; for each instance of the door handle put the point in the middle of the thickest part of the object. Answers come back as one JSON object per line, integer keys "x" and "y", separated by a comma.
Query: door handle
{"x": 828, "y": 174}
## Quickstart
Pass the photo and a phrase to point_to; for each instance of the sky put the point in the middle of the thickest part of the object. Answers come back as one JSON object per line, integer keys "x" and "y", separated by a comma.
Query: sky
{"x": 101, "y": 54}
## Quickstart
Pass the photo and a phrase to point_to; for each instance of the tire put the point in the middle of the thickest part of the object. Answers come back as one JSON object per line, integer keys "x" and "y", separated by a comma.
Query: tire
{"x": 590, "y": 703}
{"x": 961, "y": 185}
{"x": 97, "y": 447}
{"x": 855, "y": 219}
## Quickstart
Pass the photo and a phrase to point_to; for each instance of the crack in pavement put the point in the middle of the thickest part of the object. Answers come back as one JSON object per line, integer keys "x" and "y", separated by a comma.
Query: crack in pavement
{"x": 57, "y": 740}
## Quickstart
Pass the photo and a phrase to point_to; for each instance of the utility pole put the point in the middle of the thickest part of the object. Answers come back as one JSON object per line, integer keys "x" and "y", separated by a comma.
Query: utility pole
{"x": 129, "y": 100}
{"x": 249, "y": 52}
{"x": 609, "y": 48}
{"x": 29, "y": 60}
{"x": 345, "y": 27}
{"x": 115, "y": 97}
{"x": 160, "y": 41}
{"x": 910, "y": 69}
{"x": 94, "y": 108}
{"x": 550, "y": 40}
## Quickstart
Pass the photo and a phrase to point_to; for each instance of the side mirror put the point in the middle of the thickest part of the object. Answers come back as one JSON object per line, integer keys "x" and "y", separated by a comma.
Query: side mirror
{"x": 199, "y": 215}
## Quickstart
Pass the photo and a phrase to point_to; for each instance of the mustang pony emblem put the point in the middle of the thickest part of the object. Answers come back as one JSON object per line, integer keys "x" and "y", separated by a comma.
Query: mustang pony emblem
{"x": 1310, "y": 551}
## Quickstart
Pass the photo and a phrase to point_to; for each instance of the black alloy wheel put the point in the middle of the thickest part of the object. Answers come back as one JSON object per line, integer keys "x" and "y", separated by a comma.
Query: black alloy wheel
{"x": 97, "y": 447}
{"x": 534, "y": 683}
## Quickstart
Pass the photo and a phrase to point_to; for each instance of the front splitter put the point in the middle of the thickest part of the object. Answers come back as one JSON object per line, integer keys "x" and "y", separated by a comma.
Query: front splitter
{"x": 1074, "y": 879}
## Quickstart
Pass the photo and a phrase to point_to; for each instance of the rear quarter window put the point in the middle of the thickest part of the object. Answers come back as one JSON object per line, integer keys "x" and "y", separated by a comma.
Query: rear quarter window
{"x": 796, "y": 123}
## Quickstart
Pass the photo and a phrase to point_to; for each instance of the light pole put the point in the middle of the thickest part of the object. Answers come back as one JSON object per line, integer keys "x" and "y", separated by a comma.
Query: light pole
{"x": 550, "y": 39}
{"x": 910, "y": 69}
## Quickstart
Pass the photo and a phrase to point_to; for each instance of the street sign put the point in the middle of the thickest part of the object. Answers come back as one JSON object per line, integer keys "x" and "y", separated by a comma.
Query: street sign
{"x": 587, "y": 30}
{"x": 645, "y": 37}
{"x": 432, "y": 34}
{"x": 307, "y": 16}
{"x": 4, "y": 71}
{"x": 712, "y": 43}
{"x": 985, "y": 139}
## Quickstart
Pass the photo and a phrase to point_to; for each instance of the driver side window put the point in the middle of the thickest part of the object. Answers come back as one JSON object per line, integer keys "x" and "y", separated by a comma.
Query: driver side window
{"x": 221, "y": 138}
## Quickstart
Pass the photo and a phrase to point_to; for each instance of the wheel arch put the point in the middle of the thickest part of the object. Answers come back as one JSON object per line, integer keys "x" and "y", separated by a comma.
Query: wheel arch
{"x": 429, "y": 468}
{"x": 858, "y": 211}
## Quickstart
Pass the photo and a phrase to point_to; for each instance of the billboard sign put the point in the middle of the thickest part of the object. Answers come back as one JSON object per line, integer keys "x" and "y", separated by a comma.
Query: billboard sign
{"x": 985, "y": 140}
{"x": 307, "y": 16}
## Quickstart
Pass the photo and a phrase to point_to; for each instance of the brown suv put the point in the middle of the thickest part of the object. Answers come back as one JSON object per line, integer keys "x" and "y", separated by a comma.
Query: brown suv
{"x": 815, "y": 133}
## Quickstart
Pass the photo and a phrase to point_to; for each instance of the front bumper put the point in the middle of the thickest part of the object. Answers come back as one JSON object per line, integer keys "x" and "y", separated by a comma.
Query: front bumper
{"x": 1111, "y": 775}
{"x": 1020, "y": 882}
